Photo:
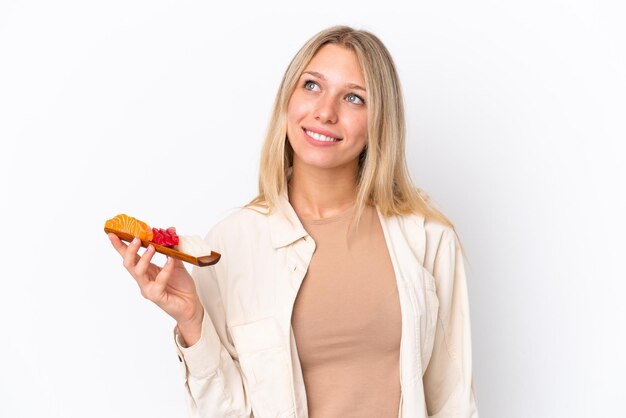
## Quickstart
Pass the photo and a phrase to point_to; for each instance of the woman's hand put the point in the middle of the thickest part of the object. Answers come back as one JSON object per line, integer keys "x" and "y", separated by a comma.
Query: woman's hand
{"x": 170, "y": 287}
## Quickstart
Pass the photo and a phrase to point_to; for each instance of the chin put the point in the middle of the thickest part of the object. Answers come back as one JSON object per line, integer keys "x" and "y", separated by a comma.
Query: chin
{"x": 325, "y": 163}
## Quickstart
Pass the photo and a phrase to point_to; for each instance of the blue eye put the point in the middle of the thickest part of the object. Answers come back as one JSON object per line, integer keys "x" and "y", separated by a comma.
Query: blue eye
{"x": 311, "y": 85}
{"x": 353, "y": 98}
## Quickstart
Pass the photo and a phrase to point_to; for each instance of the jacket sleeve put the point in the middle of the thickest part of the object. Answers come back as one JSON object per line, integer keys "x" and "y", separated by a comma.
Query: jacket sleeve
{"x": 448, "y": 384}
{"x": 213, "y": 382}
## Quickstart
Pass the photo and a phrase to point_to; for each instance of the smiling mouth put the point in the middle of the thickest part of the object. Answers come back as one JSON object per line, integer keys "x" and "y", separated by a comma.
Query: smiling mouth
{"x": 320, "y": 137}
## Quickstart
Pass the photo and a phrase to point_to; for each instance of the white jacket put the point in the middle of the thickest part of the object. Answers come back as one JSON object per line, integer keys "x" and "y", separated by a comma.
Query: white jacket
{"x": 246, "y": 362}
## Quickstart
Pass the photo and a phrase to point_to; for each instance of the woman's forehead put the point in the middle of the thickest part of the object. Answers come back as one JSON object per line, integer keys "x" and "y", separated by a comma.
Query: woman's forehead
{"x": 336, "y": 63}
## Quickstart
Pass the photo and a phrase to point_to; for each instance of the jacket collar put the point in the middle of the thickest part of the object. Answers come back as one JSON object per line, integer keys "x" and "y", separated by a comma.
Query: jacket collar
{"x": 285, "y": 226}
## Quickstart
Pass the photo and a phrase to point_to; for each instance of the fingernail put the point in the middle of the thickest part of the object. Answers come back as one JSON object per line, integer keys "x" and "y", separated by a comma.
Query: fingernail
{"x": 135, "y": 240}
{"x": 149, "y": 248}
{"x": 169, "y": 260}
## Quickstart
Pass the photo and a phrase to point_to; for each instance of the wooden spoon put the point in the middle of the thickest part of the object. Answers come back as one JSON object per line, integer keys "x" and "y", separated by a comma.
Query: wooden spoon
{"x": 206, "y": 260}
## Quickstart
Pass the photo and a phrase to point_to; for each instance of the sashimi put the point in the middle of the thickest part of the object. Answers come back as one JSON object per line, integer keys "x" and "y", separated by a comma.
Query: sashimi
{"x": 130, "y": 225}
{"x": 165, "y": 237}
{"x": 191, "y": 249}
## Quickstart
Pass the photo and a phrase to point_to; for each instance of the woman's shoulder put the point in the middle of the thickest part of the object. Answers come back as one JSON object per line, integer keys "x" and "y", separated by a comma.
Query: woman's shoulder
{"x": 238, "y": 222}
{"x": 414, "y": 222}
{"x": 433, "y": 226}
{"x": 427, "y": 235}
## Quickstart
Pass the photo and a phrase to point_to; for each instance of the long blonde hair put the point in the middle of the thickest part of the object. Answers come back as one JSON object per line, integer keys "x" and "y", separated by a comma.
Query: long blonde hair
{"x": 383, "y": 178}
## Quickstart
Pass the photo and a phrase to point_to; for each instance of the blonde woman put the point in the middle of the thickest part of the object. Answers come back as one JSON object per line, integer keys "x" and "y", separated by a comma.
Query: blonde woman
{"x": 341, "y": 291}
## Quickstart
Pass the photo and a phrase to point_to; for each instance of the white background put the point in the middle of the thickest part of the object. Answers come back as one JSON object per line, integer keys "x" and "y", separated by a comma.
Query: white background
{"x": 158, "y": 108}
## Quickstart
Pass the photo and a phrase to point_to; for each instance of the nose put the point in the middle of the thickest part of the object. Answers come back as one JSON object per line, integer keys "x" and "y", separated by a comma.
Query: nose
{"x": 326, "y": 110}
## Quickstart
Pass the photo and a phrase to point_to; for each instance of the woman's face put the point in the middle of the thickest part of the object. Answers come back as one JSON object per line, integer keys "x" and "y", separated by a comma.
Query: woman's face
{"x": 327, "y": 114}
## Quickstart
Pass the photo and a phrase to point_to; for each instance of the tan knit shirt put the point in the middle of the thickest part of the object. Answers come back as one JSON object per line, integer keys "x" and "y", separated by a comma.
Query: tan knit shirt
{"x": 347, "y": 321}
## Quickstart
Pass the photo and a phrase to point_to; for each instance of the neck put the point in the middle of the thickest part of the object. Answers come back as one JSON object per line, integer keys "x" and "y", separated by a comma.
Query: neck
{"x": 321, "y": 193}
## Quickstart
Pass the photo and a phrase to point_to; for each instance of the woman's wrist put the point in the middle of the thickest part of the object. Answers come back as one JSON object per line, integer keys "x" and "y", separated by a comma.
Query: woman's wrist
{"x": 191, "y": 329}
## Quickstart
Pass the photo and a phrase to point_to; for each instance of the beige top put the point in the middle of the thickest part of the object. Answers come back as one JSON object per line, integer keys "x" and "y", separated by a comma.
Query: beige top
{"x": 347, "y": 321}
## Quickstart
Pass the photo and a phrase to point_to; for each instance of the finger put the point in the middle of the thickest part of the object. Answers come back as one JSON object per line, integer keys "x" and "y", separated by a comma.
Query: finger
{"x": 117, "y": 243}
{"x": 144, "y": 262}
{"x": 165, "y": 273}
{"x": 130, "y": 255}
{"x": 160, "y": 281}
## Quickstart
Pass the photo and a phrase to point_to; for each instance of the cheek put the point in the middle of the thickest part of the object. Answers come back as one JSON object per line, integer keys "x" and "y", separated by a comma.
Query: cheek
{"x": 359, "y": 125}
{"x": 291, "y": 118}
{"x": 296, "y": 109}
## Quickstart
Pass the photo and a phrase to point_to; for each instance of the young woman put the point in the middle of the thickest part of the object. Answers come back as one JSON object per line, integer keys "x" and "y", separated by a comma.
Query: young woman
{"x": 341, "y": 292}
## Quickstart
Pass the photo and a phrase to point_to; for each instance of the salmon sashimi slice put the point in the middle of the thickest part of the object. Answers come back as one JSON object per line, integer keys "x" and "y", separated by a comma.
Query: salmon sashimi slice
{"x": 130, "y": 225}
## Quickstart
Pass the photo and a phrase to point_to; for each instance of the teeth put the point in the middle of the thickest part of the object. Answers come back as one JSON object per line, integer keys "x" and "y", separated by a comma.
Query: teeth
{"x": 320, "y": 137}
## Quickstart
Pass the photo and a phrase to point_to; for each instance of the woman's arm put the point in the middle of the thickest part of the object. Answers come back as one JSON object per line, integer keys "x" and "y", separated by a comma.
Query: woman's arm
{"x": 213, "y": 381}
{"x": 212, "y": 377}
{"x": 448, "y": 384}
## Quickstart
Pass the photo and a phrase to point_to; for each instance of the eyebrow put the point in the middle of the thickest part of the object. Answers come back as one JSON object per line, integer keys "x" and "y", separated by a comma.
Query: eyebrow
{"x": 321, "y": 76}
